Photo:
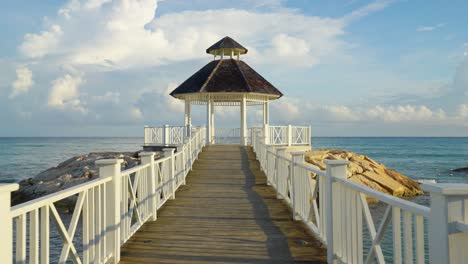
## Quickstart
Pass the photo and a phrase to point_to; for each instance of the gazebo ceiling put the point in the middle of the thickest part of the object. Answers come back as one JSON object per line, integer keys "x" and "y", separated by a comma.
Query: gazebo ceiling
{"x": 226, "y": 80}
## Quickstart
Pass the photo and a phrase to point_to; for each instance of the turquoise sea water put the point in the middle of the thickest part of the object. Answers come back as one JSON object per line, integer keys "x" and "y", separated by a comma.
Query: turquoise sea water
{"x": 419, "y": 158}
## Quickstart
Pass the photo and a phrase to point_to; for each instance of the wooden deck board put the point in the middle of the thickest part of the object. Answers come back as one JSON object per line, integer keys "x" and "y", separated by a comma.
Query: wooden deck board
{"x": 225, "y": 214}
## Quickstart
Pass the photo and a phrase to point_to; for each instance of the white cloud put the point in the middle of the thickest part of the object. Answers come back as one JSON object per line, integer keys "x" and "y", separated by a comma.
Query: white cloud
{"x": 39, "y": 45}
{"x": 111, "y": 97}
{"x": 125, "y": 34}
{"x": 65, "y": 94}
{"x": 24, "y": 81}
{"x": 366, "y": 10}
{"x": 430, "y": 28}
{"x": 302, "y": 111}
{"x": 463, "y": 111}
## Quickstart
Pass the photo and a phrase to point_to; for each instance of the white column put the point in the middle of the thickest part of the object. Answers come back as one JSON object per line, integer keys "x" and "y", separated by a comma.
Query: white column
{"x": 266, "y": 114}
{"x": 208, "y": 122}
{"x": 148, "y": 158}
{"x": 111, "y": 168}
{"x": 212, "y": 122}
{"x": 6, "y": 227}
{"x": 335, "y": 169}
{"x": 243, "y": 121}
{"x": 266, "y": 121}
{"x": 169, "y": 152}
{"x": 448, "y": 222}
{"x": 188, "y": 118}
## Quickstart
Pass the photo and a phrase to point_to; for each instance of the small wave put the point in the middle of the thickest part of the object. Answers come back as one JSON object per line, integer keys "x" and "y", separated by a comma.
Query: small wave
{"x": 426, "y": 180}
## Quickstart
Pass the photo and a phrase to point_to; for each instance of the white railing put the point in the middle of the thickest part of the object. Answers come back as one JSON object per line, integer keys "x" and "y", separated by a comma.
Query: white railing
{"x": 337, "y": 211}
{"x": 165, "y": 135}
{"x": 287, "y": 135}
{"x": 109, "y": 209}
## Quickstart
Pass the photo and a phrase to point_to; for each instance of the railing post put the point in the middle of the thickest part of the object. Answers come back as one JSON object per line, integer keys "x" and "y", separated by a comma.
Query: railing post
{"x": 148, "y": 158}
{"x": 335, "y": 169}
{"x": 279, "y": 152}
{"x": 297, "y": 157}
{"x": 169, "y": 152}
{"x": 147, "y": 137}
{"x": 449, "y": 211}
{"x": 111, "y": 168}
{"x": 6, "y": 222}
{"x": 266, "y": 133}
{"x": 166, "y": 135}
{"x": 289, "y": 135}
{"x": 186, "y": 157}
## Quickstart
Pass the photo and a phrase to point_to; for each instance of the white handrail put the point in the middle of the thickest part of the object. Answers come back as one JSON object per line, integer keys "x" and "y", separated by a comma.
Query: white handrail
{"x": 336, "y": 210}
{"x": 110, "y": 209}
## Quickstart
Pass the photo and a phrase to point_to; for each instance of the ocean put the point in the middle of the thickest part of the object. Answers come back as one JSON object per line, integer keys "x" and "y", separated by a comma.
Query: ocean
{"x": 430, "y": 158}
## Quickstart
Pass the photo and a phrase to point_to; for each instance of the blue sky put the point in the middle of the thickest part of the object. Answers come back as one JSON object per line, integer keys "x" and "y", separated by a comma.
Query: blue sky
{"x": 347, "y": 68}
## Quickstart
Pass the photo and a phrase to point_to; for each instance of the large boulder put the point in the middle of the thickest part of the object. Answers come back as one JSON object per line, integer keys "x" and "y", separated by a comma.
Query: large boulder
{"x": 69, "y": 173}
{"x": 368, "y": 172}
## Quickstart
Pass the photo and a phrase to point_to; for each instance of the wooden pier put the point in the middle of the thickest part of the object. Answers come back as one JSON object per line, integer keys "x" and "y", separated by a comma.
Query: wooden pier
{"x": 225, "y": 214}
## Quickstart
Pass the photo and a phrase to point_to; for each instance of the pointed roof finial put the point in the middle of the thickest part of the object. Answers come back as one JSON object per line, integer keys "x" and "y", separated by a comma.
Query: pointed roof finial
{"x": 226, "y": 46}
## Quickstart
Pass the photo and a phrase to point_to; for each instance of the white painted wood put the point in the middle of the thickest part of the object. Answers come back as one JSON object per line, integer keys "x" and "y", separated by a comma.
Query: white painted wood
{"x": 438, "y": 229}
{"x": 6, "y": 221}
{"x": 72, "y": 228}
{"x": 396, "y": 227}
{"x": 44, "y": 235}
{"x": 34, "y": 236}
{"x": 208, "y": 122}
{"x": 376, "y": 248}
{"x": 243, "y": 121}
{"x": 408, "y": 237}
{"x": 67, "y": 240}
{"x": 169, "y": 152}
{"x": 85, "y": 229}
{"x": 21, "y": 239}
{"x": 266, "y": 113}
{"x": 295, "y": 179}
{"x": 419, "y": 239}
{"x": 335, "y": 169}
{"x": 212, "y": 121}
{"x": 111, "y": 169}
{"x": 148, "y": 158}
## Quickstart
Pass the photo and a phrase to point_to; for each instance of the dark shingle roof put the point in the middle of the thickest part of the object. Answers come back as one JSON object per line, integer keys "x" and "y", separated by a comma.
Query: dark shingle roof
{"x": 227, "y": 75}
{"x": 226, "y": 43}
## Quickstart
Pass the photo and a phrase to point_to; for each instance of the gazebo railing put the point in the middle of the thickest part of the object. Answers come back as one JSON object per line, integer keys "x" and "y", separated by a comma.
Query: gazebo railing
{"x": 287, "y": 135}
{"x": 273, "y": 135}
{"x": 165, "y": 135}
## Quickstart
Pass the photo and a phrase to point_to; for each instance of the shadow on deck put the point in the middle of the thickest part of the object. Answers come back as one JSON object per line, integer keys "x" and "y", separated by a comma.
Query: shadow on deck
{"x": 225, "y": 214}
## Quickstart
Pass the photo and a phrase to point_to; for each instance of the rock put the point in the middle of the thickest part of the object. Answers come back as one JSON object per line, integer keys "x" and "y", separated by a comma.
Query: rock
{"x": 465, "y": 169}
{"x": 368, "y": 172}
{"x": 71, "y": 172}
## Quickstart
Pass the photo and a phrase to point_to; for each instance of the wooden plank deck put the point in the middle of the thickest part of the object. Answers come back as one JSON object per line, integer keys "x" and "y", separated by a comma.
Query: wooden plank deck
{"x": 225, "y": 214}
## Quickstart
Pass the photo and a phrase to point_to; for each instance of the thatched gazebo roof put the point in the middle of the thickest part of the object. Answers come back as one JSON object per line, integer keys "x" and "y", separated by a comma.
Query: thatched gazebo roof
{"x": 226, "y": 76}
{"x": 226, "y": 79}
{"x": 226, "y": 44}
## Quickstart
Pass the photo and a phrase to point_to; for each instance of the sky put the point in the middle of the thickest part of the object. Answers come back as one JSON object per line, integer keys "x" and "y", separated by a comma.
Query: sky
{"x": 345, "y": 67}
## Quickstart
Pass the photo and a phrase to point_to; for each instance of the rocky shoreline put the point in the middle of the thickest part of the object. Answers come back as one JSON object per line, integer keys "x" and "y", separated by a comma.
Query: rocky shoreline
{"x": 80, "y": 169}
{"x": 368, "y": 172}
{"x": 74, "y": 171}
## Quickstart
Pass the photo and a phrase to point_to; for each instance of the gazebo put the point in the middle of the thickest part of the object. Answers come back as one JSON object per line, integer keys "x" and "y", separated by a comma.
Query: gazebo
{"x": 226, "y": 81}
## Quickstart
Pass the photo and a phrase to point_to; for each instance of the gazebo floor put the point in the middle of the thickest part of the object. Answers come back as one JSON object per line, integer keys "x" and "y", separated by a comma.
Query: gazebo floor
{"x": 225, "y": 214}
